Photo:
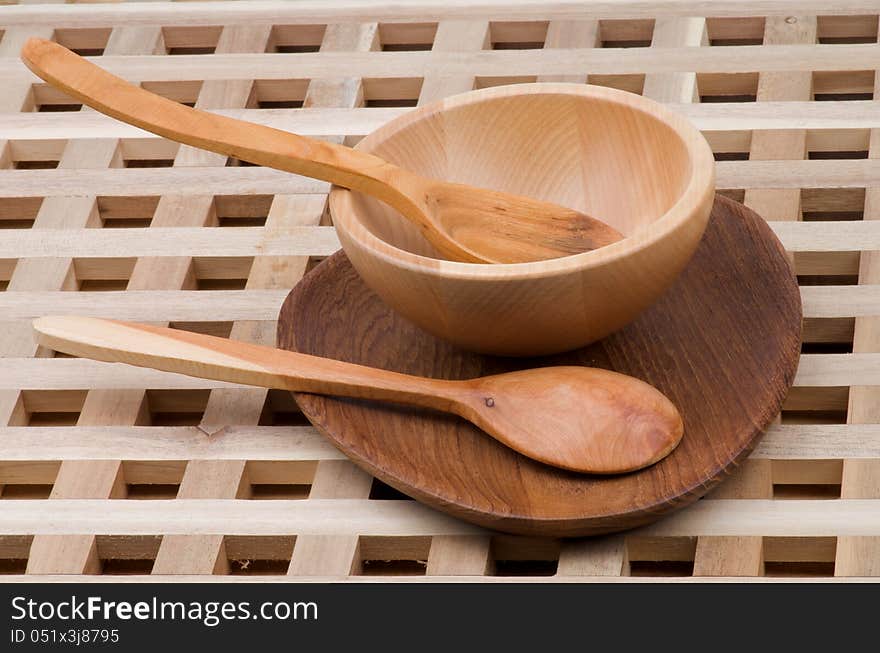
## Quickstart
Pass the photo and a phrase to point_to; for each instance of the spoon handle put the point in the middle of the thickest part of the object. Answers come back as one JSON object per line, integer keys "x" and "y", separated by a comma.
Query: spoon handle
{"x": 258, "y": 144}
{"x": 209, "y": 357}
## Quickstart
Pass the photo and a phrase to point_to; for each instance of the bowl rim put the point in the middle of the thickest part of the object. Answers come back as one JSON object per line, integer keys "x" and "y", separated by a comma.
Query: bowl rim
{"x": 700, "y": 187}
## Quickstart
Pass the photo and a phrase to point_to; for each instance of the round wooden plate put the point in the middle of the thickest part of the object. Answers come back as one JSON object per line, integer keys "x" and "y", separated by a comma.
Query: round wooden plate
{"x": 722, "y": 343}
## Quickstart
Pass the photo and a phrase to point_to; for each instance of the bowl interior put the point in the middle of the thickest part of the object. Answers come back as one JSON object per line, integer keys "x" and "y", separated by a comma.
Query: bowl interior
{"x": 603, "y": 157}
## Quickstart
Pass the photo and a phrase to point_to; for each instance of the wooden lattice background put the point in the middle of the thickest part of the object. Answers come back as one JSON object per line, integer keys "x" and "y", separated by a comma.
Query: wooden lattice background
{"x": 112, "y": 472}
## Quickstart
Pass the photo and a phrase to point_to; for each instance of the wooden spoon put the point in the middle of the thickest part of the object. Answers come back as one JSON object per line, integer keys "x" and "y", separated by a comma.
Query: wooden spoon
{"x": 463, "y": 222}
{"x": 578, "y": 418}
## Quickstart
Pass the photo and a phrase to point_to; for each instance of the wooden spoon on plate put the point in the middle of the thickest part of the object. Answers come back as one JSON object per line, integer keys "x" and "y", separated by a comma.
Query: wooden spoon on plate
{"x": 464, "y": 223}
{"x": 578, "y": 418}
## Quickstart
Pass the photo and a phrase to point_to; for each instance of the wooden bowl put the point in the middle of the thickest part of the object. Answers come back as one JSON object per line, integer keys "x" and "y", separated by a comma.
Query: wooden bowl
{"x": 614, "y": 155}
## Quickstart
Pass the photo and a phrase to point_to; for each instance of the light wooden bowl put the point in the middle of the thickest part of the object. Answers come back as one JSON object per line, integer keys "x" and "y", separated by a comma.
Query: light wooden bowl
{"x": 614, "y": 155}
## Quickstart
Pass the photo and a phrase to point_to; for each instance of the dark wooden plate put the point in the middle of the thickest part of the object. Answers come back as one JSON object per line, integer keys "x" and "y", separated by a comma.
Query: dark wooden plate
{"x": 722, "y": 343}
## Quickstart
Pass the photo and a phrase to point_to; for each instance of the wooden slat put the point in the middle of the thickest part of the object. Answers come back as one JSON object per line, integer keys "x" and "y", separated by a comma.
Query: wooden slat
{"x": 489, "y": 63}
{"x": 604, "y": 557}
{"x": 790, "y": 518}
{"x": 307, "y": 12}
{"x": 287, "y": 443}
{"x": 227, "y": 305}
{"x": 679, "y": 87}
{"x": 816, "y": 370}
{"x": 263, "y": 181}
{"x": 17, "y": 98}
{"x": 786, "y": 145}
{"x": 713, "y": 118}
{"x": 303, "y": 443}
{"x": 203, "y": 478}
{"x": 860, "y": 556}
{"x": 456, "y": 555}
{"x": 296, "y": 239}
{"x": 198, "y": 517}
{"x": 83, "y": 479}
{"x": 336, "y": 479}
{"x": 678, "y": 580}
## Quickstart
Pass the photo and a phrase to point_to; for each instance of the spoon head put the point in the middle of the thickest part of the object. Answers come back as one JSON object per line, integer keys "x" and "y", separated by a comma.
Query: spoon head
{"x": 578, "y": 418}
{"x": 499, "y": 227}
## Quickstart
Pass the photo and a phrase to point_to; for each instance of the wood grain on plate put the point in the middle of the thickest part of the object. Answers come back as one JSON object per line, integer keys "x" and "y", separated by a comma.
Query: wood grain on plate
{"x": 723, "y": 344}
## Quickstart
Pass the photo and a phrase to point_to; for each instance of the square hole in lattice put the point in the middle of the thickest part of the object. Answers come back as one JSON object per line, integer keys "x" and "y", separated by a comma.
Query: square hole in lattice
{"x": 393, "y": 556}
{"x": 846, "y": 29}
{"x": 14, "y": 552}
{"x": 148, "y": 163}
{"x": 103, "y": 274}
{"x": 661, "y": 556}
{"x": 86, "y": 42}
{"x": 127, "y": 555}
{"x": 392, "y": 91}
{"x": 313, "y": 262}
{"x": 280, "y": 93}
{"x": 829, "y": 204}
{"x": 827, "y": 335}
{"x": 185, "y": 92}
{"x": 736, "y": 194}
{"x": 182, "y": 36}
{"x": 26, "y": 491}
{"x": 218, "y": 329}
{"x": 242, "y": 210}
{"x": 843, "y": 85}
{"x": 222, "y": 272}
{"x": 118, "y": 212}
{"x": 147, "y": 149}
{"x": 815, "y": 405}
{"x": 731, "y": 156}
{"x": 296, "y": 38}
{"x": 152, "y": 479}
{"x": 523, "y": 556}
{"x": 630, "y": 83}
{"x": 518, "y": 35}
{"x": 19, "y": 212}
{"x": 727, "y": 87}
{"x": 797, "y": 557}
{"x": 807, "y": 479}
{"x": 23, "y": 479}
{"x": 380, "y": 491}
{"x": 52, "y": 407}
{"x": 831, "y": 279}
{"x": 488, "y": 82}
{"x": 7, "y": 267}
{"x": 254, "y": 555}
{"x": 63, "y": 106}
{"x": 733, "y": 145}
{"x": 280, "y": 409}
{"x": 405, "y": 37}
{"x": 837, "y": 155}
{"x": 636, "y": 33}
{"x": 191, "y": 39}
{"x": 177, "y": 407}
{"x": 35, "y": 164}
{"x": 835, "y": 332}
{"x": 277, "y": 479}
{"x": 836, "y": 268}
{"x": 735, "y": 31}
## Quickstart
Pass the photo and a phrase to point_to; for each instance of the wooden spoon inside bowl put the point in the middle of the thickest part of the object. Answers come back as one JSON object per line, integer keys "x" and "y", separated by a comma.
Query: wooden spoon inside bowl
{"x": 464, "y": 223}
{"x": 578, "y": 418}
